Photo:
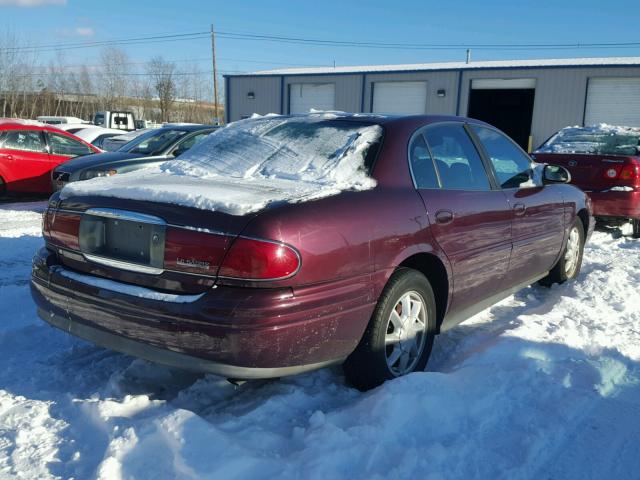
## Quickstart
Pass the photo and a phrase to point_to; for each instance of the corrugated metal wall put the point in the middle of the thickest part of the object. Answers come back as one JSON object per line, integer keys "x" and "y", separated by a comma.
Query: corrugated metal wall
{"x": 348, "y": 89}
{"x": 435, "y": 81}
{"x": 560, "y": 94}
{"x": 559, "y": 99}
{"x": 266, "y": 92}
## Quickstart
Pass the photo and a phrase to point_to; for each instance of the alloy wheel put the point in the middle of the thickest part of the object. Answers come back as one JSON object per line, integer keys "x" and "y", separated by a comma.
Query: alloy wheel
{"x": 572, "y": 253}
{"x": 406, "y": 333}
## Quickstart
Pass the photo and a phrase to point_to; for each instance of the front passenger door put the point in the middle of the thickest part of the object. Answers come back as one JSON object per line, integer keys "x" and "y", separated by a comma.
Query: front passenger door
{"x": 537, "y": 220}
{"x": 470, "y": 219}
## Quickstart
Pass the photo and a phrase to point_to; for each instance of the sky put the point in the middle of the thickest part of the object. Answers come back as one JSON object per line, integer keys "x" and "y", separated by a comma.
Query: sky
{"x": 464, "y": 22}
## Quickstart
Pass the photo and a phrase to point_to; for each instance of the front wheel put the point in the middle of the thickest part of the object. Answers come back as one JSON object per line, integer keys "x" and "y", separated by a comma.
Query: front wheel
{"x": 635, "y": 223}
{"x": 568, "y": 266}
{"x": 400, "y": 334}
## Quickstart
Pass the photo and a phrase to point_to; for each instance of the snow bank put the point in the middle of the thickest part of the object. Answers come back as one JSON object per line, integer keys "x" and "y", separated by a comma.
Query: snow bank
{"x": 545, "y": 384}
{"x": 598, "y": 139}
{"x": 253, "y": 163}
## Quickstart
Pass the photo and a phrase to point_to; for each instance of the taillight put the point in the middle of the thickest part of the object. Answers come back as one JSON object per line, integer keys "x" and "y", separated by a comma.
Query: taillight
{"x": 630, "y": 171}
{"x": 251, "y": 259}
{"x": 61, "y": 228}
{"x": 193, "y": 251}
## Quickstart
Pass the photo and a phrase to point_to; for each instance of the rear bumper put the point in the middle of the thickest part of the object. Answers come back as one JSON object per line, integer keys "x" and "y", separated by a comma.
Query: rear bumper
{"x": 616, "y": 204}
{"x": 243, "y": 333}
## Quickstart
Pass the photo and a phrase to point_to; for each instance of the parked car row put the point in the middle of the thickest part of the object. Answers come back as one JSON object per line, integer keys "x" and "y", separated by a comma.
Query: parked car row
{"x": 283, "y": 244}
{"x": 37, "y": 158}
{"x": 29, "y": 152}
{"x": 151, "y": 147}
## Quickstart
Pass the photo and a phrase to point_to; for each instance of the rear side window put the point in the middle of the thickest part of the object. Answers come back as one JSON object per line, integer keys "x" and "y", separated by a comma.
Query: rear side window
{"x": 190, "y": 142}
{"x": 513, "y": 167}
{"x": 424, "y": 173}
{"x": 26, "y": 140}
{"x": 62, "y": 145}
{"x": 456, "y": 158}
{"x": 100, "y": 140}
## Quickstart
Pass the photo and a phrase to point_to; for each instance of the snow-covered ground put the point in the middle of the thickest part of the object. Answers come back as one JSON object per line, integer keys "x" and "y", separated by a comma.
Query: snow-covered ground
{"x": 543, "y": 385}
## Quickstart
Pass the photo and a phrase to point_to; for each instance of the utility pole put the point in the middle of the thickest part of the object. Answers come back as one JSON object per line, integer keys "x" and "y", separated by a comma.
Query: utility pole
{"x": 468, "y": 55}
{"x": 215, "y": 74}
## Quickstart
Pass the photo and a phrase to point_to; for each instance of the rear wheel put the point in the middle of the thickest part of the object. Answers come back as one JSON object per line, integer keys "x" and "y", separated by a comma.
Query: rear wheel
{"x": 400, "y": 334}
{"x": 635, "y": 223}
{"x": 568, "y": 266}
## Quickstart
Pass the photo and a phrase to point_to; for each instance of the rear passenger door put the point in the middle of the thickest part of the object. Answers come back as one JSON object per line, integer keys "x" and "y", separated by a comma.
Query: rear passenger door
{"x": 537, "y": 210}
{"x": 24, "y": 156}
{"x": 470, "y": 218}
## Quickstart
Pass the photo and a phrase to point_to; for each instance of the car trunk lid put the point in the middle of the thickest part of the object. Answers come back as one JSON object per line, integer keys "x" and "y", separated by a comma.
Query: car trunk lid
{"x": 155, "y": 245}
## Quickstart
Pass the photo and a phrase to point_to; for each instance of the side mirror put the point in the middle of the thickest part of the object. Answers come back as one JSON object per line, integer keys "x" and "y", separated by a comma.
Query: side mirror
{"x": 555, "y": 174}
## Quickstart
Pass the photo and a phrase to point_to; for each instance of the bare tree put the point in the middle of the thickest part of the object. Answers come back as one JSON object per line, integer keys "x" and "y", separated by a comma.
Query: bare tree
{"x": 162, "y": 75}
{"x": 113, "y": 77}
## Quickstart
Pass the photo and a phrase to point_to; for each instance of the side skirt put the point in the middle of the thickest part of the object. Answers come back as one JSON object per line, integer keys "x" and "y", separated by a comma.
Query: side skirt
{"x": 451, "y": 320}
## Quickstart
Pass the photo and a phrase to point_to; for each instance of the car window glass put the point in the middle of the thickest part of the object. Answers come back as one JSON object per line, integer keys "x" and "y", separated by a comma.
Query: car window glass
{"x": 62, "y": 145}
{"x": 513, "y": 167}
{"x": 100, "y": 140}
{"x": 422, "y": 167}
{"x": 154, "y": 142}
{"x": 190, "y": 142}
{"x": 29, "y": 141}
{"x": 456, "y": 158}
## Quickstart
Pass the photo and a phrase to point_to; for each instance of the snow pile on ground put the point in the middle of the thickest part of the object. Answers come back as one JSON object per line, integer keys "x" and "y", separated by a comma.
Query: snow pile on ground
{"x": 545, "y": 384}
{"x": 253, "y": 163}
{"x": 600, "y": 139}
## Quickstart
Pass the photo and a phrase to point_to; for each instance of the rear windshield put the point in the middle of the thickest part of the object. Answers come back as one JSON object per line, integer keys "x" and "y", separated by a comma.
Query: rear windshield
{"x": 598, "y": 139}
{"x": 303, "y": 149}
{"x": 153, "y": 142}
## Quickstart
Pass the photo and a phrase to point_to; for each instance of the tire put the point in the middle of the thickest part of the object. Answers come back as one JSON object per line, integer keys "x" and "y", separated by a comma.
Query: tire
{"x": 635, "y": 223}
{"x": 3, "y": 188}
{"x": 378, "y": 357}
{"x": 568, "y": 266}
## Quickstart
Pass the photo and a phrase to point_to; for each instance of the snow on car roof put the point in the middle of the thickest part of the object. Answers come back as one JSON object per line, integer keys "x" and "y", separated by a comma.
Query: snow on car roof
{"x": 253, "y": 163}
{"x": 547, "y": 62}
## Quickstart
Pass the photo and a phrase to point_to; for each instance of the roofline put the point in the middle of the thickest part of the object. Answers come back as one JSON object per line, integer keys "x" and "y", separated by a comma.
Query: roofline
{"x": 462, "y": 68}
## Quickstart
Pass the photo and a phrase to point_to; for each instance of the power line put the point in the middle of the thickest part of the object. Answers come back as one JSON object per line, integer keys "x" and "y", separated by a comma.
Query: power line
{"x": 323, "y": 42}
{"x": 126, "y": 74}
{"x": 184, "y": 60}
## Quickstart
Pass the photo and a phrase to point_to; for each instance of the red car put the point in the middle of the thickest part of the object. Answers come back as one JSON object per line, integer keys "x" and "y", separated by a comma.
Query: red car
{"x": 269, "y": 259}
{"x": 28, "y": 153}
{"x": 604, "y": 161}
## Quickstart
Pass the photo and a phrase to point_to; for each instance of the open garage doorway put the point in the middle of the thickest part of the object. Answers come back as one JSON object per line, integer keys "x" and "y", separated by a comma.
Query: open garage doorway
{"x": 506, "y": 104}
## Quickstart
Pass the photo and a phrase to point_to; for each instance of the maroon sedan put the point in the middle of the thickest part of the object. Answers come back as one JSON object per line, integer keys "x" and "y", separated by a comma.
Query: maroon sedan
{"x": 284, "y": 244}
{"x": 604, "y": 161}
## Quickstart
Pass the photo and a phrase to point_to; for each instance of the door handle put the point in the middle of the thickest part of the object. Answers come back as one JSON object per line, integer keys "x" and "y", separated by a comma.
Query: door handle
{"x": 7, "y": 156}
{"x": 444, "y": 217}
{"x": 519, "y": 208}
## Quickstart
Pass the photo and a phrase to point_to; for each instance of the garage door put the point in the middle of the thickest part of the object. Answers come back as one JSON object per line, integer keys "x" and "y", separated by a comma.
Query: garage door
{"x": 615, "y": 101}
{"x": 408, "y": 98}
{"x": 306, "y": 96}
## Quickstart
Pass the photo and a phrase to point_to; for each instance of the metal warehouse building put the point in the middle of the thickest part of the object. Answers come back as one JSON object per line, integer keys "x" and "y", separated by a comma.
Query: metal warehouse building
{"x": 528, "y": 99}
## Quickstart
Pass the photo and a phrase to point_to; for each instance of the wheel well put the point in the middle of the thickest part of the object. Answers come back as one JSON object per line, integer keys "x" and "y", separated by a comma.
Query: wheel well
{"x": 584, "y": 217}
{"x": 432, "y": 268}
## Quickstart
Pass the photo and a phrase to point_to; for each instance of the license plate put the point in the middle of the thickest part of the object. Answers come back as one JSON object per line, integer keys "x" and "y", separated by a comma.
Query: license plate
{"x": 122, "y": 238}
